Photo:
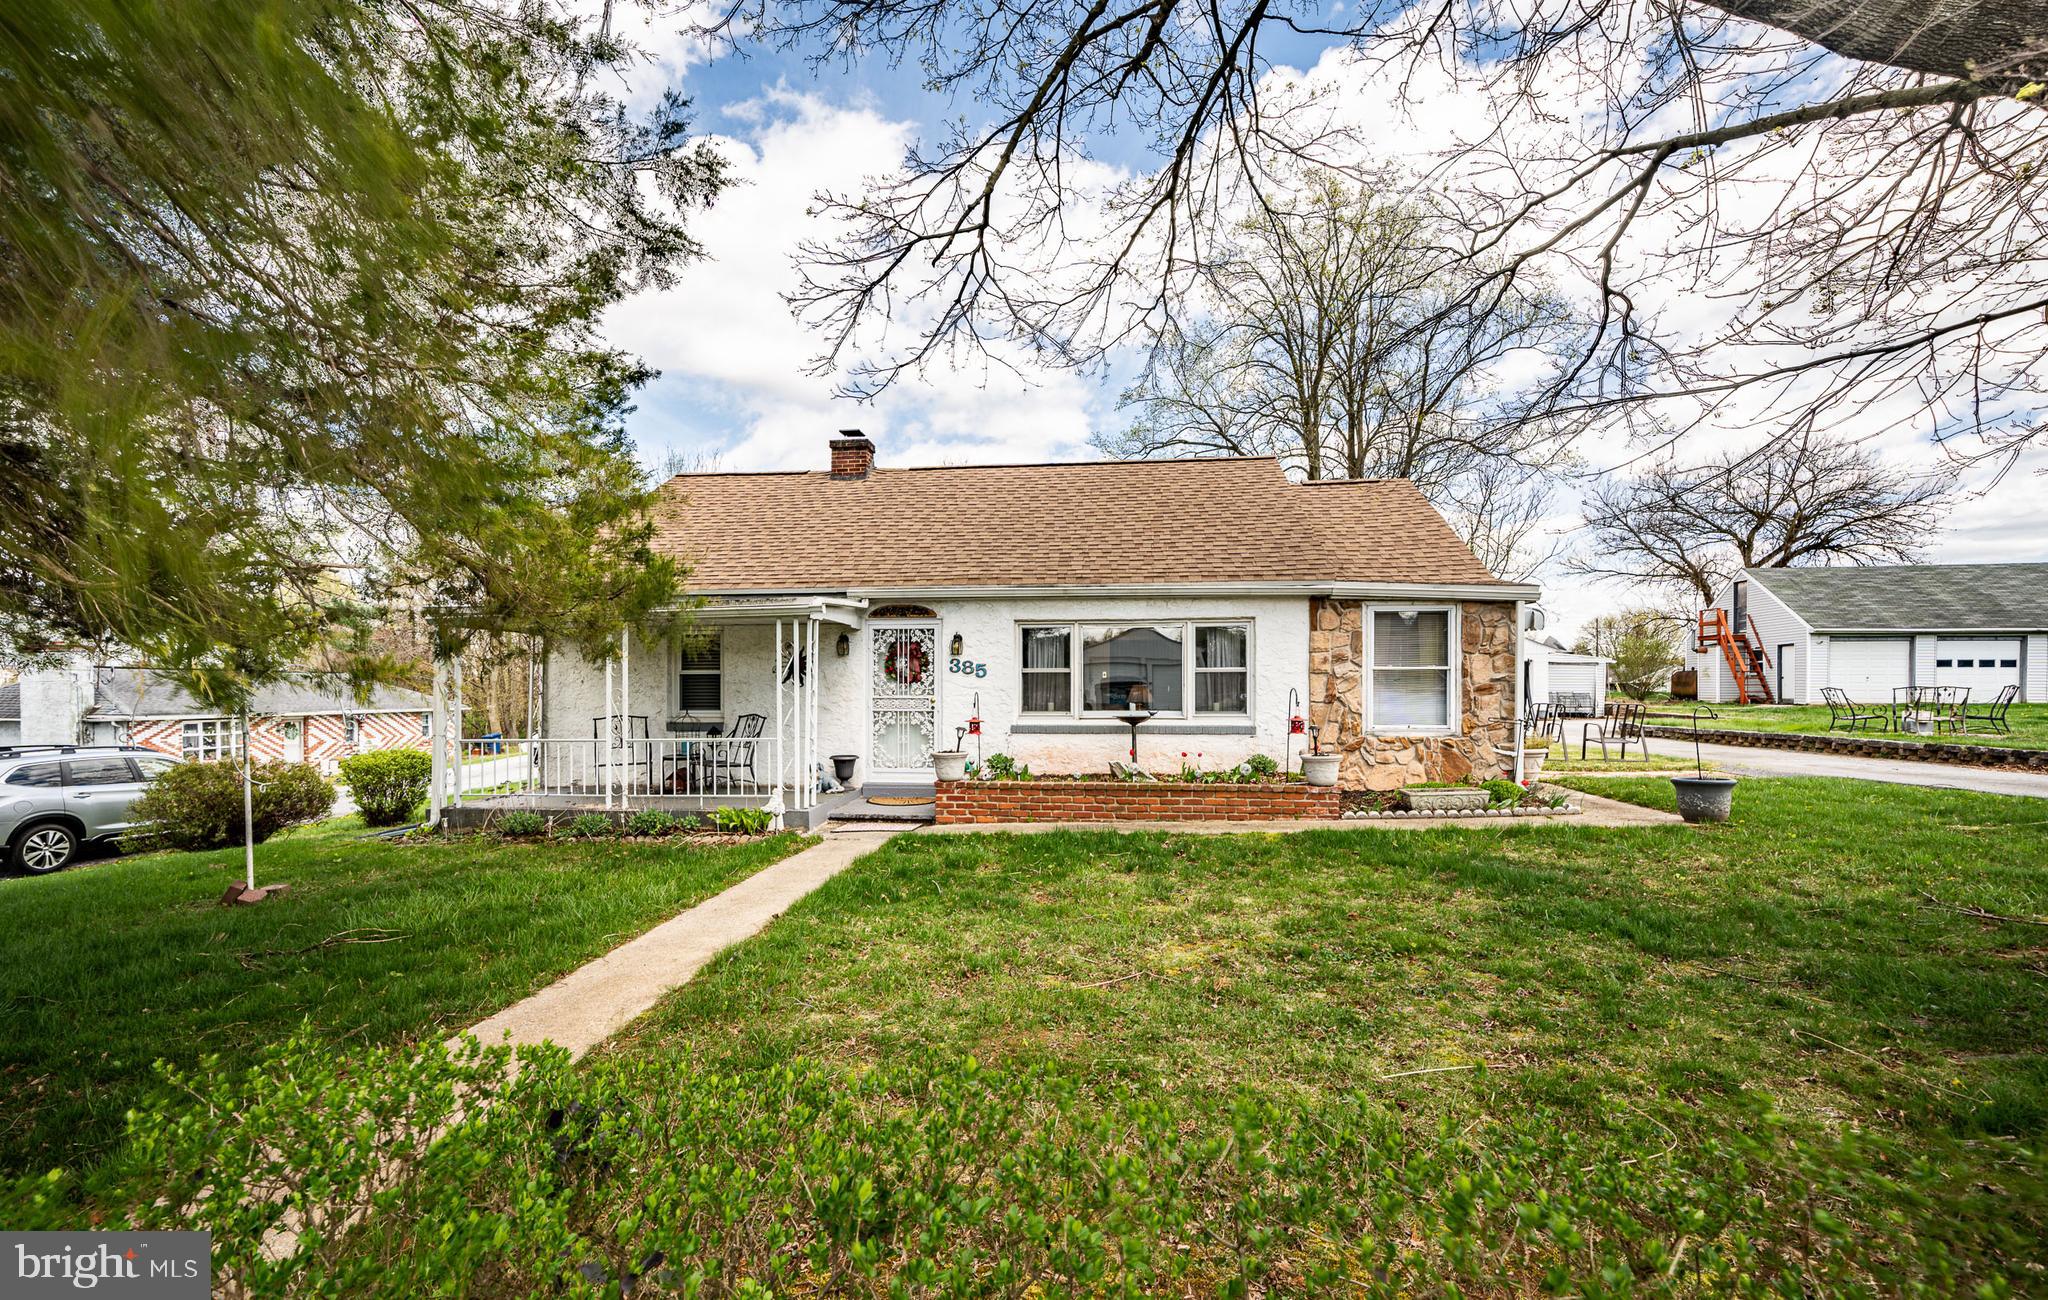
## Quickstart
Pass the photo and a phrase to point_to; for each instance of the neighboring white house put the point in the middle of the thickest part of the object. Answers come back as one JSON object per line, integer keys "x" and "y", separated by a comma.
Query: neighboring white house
{"x": 78, "y": 702}
{"x": 877, "y": 613}
{"x": 1874, "y": 630}
{"x": 1552, "y": 674}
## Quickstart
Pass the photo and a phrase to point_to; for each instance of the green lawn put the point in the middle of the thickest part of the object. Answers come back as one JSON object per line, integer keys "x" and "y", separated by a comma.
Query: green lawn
{"x": 2029, "y": 723}
{"x": 1687, "y": 976}
{"x": 110, "y": 965}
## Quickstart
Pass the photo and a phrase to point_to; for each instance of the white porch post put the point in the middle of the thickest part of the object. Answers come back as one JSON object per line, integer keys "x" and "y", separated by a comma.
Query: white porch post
{"x": 626, "y": 710}
{"x": 775, "y": 670}
{"x": 1521, "y": 669}
{"x": 439, "y": 723}
{"x": 811, "y": 751}
{"x": 456, "y": 737}
{"x": 604, "y": 737}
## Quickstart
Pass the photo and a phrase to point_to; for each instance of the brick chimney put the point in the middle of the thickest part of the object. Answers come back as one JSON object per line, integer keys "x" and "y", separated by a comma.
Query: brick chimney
{"x": 852, "y": 455}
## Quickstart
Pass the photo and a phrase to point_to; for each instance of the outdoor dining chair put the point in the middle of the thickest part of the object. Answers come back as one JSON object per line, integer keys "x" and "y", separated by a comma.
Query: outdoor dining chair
{"x": 1992, "y": 712}
{"x": 1622, "y": 725}
{"x": 629, "y": 738}
{"x": 732, "y": 758}
{"x": 1850, "y": 716}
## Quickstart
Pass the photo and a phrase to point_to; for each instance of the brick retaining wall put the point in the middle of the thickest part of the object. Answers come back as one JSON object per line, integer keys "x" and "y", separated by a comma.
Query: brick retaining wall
{"x": 1864, "y": 746}
{"x": 1128, "y": 801}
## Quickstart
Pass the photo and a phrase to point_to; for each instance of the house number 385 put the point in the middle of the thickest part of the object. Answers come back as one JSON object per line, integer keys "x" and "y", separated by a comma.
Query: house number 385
{"x": 966, "y": 667}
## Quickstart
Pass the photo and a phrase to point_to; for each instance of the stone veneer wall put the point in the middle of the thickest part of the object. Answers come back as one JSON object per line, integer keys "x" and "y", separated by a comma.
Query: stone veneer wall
{"x": 1336, "y": 690}
{"x": 1128, "y": 801}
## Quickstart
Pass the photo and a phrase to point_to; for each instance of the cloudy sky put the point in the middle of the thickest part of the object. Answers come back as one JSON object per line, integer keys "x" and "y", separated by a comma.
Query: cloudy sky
{"x": 734, "y": 392}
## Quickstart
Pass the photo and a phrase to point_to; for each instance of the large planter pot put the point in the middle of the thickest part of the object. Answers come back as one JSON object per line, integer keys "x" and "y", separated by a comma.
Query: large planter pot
{"x": 1532, "y": 763}
{"x": 950, "y": 765}
{"x": 1448, "y": 799}
{"x": 1320, "y": 769}
{"x": 842, "y": 767}
{"x": 1704, "y": 798}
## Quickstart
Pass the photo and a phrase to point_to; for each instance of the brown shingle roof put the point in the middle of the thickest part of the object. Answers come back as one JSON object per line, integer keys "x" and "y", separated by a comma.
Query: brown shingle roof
{"x": 1213, "y": 520}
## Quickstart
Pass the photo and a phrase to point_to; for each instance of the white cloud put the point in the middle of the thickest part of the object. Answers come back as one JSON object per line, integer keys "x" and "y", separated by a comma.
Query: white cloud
{"x": 725, "y": 334}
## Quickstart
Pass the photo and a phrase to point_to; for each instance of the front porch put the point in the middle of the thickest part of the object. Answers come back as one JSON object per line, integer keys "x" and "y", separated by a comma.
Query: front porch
{"x": 728, "y": 713}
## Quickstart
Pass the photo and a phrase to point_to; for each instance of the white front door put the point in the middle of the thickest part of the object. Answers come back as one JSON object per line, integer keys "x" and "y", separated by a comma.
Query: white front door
{"x": 1987, "y": 665}
{"x": 294, "y": 732}
{"x": 903, "y": 670}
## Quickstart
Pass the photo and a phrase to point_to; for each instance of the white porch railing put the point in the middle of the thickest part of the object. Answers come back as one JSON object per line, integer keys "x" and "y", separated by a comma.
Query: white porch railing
{"x": 703, "y": 770}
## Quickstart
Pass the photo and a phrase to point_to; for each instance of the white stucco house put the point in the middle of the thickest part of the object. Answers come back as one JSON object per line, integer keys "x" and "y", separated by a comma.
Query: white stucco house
{"x": 1781, "y": 635}
{"x": 873, "y": 615}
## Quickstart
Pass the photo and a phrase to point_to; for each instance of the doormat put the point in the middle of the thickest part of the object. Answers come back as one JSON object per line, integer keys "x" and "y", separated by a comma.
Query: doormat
{"x": 900, "y": 800}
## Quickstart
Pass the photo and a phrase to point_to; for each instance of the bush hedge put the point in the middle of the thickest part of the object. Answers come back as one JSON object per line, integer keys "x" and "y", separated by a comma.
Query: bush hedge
{"x": 388, "y": 784}
{"x": 940, "y": 1177}
{"x": 199, "y": 805}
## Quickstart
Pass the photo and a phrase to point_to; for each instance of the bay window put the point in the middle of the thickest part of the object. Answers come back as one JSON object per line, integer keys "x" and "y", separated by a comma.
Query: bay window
{"x": 1412, "y": 672}
{"x": 1175, "y": 669}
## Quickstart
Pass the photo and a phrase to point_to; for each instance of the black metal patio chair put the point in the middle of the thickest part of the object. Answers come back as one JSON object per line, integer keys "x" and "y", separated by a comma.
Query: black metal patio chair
{"x": 732, "y": 758}
{"x": 1992, "y": 712}
{"x": 1848, "y": 715}
{"x": 1541, "y": 720}
{"x": 1623, "y": 725}
{"x": 626, "y": 746}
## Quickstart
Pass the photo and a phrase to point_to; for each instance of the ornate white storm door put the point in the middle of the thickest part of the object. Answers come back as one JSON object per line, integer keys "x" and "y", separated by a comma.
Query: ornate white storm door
{"x": 903, "y": 666}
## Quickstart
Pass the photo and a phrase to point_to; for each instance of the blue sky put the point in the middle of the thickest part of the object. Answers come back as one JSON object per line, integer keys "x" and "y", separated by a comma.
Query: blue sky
{"x": 734, "y": 394}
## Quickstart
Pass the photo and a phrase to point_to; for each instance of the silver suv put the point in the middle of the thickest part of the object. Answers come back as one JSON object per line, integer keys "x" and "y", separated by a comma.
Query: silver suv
{"x": 54, "y": 798}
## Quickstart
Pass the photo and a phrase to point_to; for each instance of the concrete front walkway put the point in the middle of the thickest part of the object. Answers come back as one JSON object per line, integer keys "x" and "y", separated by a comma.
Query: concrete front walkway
{"x": 593, "y": 1002}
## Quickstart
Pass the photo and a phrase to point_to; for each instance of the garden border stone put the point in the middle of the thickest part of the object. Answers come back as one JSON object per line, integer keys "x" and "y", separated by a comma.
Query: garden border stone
{"x": 1861, "y": 746}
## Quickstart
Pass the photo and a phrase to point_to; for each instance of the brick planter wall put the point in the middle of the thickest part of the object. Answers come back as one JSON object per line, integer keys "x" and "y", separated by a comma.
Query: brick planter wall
{"x": 1922, "y": 751}
{"x": 1128, "y": 801}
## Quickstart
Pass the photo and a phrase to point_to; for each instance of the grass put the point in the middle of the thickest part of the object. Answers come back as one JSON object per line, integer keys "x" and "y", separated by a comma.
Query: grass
{"x": 1808, "y": 957}
{"x": 111, "y": 965}
{"x": 2029, "y": 723}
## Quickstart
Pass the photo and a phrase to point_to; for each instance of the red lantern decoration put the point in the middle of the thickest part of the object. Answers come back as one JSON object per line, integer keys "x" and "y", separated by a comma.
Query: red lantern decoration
{"x": 974, "y": 726}
{"x": 1297, "y": 726}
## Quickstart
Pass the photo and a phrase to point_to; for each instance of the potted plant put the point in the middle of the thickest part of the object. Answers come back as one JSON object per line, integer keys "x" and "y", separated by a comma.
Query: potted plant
{"x": 1532, "y": 762}
{"x": 1318, "y": 768}
{"x": 1703, "y": 798}
{"x": 950, "y": 764}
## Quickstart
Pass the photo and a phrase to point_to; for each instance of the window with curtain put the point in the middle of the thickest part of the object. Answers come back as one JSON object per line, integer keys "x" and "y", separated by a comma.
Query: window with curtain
{"x": 1223, "y": 668}
{"x": 1117, "y": 659}
{"x": 1411, "y": 668}
{"x": 700, "y": 676}
{"x": 1048, "y": 669}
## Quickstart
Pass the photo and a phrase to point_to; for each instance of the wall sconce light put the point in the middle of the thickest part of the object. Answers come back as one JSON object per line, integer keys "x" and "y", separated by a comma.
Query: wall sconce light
{"x": 844, "y": 646}
{"x": 958, "y": 645}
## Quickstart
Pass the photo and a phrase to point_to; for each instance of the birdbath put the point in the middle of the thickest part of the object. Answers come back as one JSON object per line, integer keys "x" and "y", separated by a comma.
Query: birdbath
{"x": 1137, "y": 711}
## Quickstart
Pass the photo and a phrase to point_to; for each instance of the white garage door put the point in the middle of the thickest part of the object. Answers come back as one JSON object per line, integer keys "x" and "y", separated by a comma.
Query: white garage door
{"x": 1869, "y": 668}
{"x": 1984, "y": 664}
{"x": 1584, "y": 678}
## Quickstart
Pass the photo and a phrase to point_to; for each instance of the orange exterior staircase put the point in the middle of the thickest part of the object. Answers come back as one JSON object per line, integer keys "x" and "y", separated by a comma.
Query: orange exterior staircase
{"x": 1742, "y": 649}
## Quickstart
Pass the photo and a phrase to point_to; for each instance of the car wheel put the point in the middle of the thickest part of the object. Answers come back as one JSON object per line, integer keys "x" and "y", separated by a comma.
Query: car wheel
{"x": 45, "y": 848}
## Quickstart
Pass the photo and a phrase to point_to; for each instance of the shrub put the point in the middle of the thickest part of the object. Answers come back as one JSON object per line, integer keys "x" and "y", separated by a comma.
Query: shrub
{"x": 522, "y": 823}
{"x": 199, "y": 805}
{"x": 591, "y": 826}
{"x": 1001, "y": 767}
{"x": 937, "y": 1176}
{"x": 388, "y": 784}
{"x": 651, "y": 821}
{"x": 741, "y": 821}
{"x": 1262, "y": 767}
{"x": 1505, "y": 791}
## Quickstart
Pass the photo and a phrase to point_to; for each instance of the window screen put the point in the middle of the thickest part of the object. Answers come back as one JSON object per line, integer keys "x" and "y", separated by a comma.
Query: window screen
{"x": 1411, "y": 673}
